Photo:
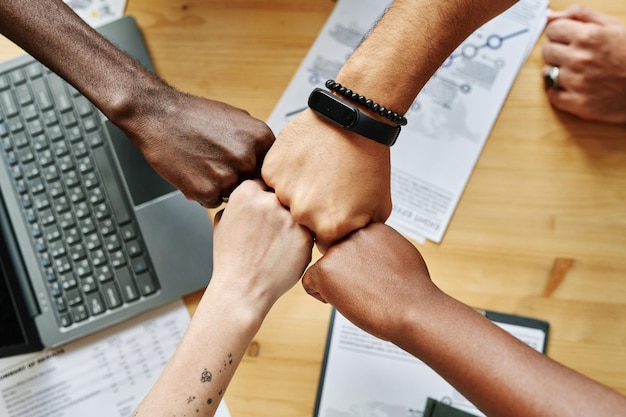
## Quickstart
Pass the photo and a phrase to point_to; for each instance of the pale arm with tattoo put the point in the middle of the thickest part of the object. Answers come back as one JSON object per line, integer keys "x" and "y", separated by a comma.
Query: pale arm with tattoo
{"x": 259, "y": 253}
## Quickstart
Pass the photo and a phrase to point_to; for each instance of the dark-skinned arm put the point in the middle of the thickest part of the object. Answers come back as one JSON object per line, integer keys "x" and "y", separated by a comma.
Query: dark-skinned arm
{"x": 378, "y": 280}
{"x": 202, "y": 147}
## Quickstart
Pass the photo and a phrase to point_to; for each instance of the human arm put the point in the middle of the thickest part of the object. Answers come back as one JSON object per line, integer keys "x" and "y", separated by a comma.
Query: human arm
{"x": 588, "y": 48}
{"x": 335, "y": 181}
{"x": 203, "y": 147}
{"x": 379, "y": 281}
{"x": 259, "y": 253}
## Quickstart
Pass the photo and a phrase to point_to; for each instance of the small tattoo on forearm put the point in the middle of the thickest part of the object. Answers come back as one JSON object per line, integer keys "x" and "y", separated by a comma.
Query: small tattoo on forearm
{"x": 206, "y": 376}
{"x": 228, "y": 361}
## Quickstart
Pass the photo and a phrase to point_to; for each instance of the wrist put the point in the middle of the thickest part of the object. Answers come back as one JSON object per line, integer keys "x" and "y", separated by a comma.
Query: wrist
{"x": 244, "y": 307}
{"x": 418, "y": 322}
{"x": 383, "y": 90}
{"x": 346, "y": 114}
{"x": 140, "y": 105}
{"x": 378, "y": 111}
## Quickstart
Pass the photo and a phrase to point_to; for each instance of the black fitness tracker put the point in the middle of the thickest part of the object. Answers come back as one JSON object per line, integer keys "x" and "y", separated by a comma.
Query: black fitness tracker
{"x": 350, "y": 117}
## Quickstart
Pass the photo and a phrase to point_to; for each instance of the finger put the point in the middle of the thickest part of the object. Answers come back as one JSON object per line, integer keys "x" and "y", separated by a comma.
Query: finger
{"x": 308, "y": 283}
{"x": 262, "y": 184}
{"x": 315, "y": 294}
{"x": 218, "y": 217}
{"x": 246, "y": 186}
{"x": 322, "y": 247}
{"x": 556, "y": 54}
{"x": 563, "y": 30}
{"x": 285, "y": 201}
{"x": 554, "y": 15}
{"x": 549, "y": 82}
{"x": 586, "y": 14}
{"x": 564, "y": 100}
{"x": 208, "y": 199}
{"x": 566, "y": 79}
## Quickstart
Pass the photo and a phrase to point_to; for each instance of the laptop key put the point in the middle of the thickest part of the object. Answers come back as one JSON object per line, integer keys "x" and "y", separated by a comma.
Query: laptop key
{"x": 129, "y": 289}
{"x": 73, "y": 297}
{"x": 59, "y": 93}
{"x": 95, "y": 304}
{"x": 79, "y": 313}
{"x": 60, "y": 304}
{"x": 17, "y": 76}
{"x": 34, "y": 70}
{"x": 140, "y": 265}
{"x": 88, "y": 285}
{"x": 68, "y": 281}
{"x": 113, "y": 189}
{"x": 104, "y": 274}
{"x": 8, "y": 104}
{"x": 112, "y": 297}
{"x": 41, "y": 94}
{"x": 65, "y": 320}
{"x": 4, "y": 82}
{"x": 146, "y": 284}
{"x": 23, "y": 95}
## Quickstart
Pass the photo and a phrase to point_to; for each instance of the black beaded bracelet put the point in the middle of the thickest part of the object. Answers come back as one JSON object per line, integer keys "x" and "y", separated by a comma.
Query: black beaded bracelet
{"x": 357, "y": 98}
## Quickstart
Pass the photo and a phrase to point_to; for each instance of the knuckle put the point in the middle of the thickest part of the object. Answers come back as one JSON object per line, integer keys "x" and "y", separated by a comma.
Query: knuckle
{"x": 330, "y": 231}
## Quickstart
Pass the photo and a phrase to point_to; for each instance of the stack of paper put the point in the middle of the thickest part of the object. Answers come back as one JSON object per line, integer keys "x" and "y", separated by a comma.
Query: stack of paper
{"x": 103, "y": 375}
{"x": 451, "y": 118}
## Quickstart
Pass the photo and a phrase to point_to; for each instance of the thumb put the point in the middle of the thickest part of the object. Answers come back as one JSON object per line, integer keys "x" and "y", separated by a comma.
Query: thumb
{"x": 309, "y": 282}
{"x": 582, "y": 14}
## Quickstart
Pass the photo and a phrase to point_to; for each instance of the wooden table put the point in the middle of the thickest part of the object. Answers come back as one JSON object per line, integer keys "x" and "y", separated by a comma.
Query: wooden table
{"x": 540, "y": 230}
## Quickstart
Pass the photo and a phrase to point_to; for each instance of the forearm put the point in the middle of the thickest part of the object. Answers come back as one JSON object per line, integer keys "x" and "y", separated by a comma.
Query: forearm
{"x": 195, "y": 379}
{"x": 409, "y": 43}
{"x": 498, "y": 373}
{"x": 51, "y": 32}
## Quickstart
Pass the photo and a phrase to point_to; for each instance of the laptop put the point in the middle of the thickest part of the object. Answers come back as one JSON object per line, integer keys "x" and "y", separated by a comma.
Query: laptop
{"x": 90, "y": 234}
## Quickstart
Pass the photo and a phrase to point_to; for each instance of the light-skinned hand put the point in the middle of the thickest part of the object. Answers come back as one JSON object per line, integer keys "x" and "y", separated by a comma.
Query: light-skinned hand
{"x": 260, "y": 252}
{"x": 588, "y": 47}
{"x": 332, "y": 180}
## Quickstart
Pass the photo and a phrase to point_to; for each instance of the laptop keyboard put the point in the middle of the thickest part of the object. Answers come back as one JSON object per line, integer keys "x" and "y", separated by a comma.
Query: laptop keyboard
{"x": 82, "y": 228}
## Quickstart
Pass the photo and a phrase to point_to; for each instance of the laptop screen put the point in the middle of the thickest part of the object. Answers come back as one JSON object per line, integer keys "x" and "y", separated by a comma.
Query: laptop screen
{"x": 17, "y": 332}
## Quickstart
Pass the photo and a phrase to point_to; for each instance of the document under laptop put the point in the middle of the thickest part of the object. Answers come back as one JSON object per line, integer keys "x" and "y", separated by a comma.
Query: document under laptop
{"x": 90, "y": 235}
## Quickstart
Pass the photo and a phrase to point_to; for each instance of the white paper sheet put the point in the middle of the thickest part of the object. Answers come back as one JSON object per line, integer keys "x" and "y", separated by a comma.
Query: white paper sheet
{"x": 98, "y": 12}
{"x": 103, "y": 375}
{"x": 366, "y": 376}
{"x": 451, "y": 118}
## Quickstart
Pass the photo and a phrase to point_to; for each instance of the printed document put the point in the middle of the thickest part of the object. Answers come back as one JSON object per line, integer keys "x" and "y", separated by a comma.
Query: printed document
{"x": 98, "y": 12}
{"x": 366, "y": 376}
{"x": 451, "y": 118}
{"x": 106, "y": 374}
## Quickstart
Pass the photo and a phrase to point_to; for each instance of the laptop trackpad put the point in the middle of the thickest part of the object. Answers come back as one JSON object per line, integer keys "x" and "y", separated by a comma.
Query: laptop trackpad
{"x": 177, "y": 232}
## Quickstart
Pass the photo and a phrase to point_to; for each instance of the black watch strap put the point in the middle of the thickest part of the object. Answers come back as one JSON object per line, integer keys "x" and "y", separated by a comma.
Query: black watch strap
{"x": 350, "y": 117}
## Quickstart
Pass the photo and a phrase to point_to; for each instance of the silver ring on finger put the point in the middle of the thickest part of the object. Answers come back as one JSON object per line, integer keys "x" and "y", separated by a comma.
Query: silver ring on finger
{"x": 552, "y": 78}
